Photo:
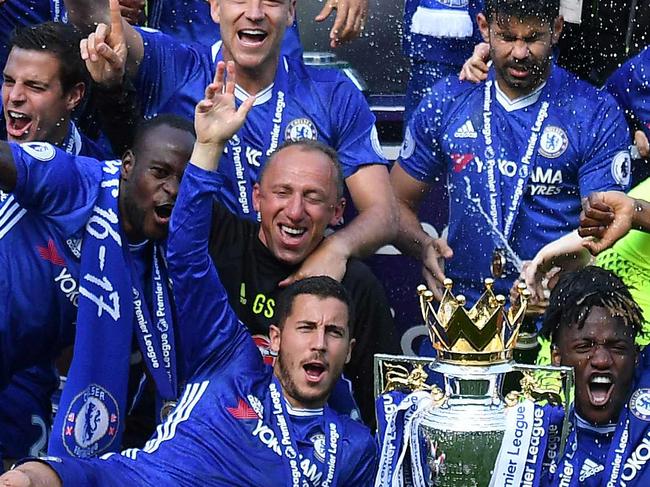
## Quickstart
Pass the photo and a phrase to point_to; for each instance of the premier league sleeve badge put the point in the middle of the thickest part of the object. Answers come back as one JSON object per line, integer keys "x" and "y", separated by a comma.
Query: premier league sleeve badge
{"x": 640, "y": 404}
{"x": 91, "y": 422}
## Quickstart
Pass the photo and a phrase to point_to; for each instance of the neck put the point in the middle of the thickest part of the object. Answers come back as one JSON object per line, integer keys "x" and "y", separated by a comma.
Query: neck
{"x": 58, "y": 138}
{"x": 254, "y": 80}
{"x": 132, "y": 236}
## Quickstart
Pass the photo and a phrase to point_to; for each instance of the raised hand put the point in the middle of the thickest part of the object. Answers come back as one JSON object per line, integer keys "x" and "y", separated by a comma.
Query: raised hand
{"x": 350, "y": 19}
{"x": 105, "y": 50}
{"x": 476, "y": 68}
{"x": 606, "y": 217}
{"x": 216, "y": 117}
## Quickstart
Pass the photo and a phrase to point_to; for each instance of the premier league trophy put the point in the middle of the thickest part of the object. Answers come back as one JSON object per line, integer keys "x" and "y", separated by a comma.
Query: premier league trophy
{"x": 446, "y": 421}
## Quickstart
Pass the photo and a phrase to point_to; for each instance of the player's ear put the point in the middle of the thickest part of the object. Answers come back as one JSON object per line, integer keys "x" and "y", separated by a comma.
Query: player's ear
{"x": 214, "y": 10}
{"x": 484, "y": 27}
{"x": 291, "y": 15}
{"x": 556, "y": 357}
{"x": 558, "y": 25}
{"x": 256, "y": 197}
{"x": 74, "y": 96}
{"x": 275, "y": 335}
{"x": 128, "y": 163}
{"x": 339, "y": 208}
{"x": 351, "y": 346}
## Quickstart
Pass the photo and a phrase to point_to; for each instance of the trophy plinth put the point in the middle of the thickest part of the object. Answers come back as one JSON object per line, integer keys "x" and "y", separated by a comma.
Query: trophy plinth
{"x": 460, "y": 429}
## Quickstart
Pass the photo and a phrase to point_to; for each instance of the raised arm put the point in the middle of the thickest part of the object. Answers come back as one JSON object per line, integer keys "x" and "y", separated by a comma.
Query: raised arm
{"x": 90, "y": 16}
{"x": 7, "y": 168}
{"x": 349, "y": 22}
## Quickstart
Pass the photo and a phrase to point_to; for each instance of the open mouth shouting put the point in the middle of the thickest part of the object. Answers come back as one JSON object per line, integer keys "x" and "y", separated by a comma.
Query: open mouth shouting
{"x": 600, "y": 388}
{"x": 314, "y": 371}
{"x": 17, "y": 124}
{"x": 163, "y": 213}
{"x": 252, "y": 37}
{"x": 290, "y": 232}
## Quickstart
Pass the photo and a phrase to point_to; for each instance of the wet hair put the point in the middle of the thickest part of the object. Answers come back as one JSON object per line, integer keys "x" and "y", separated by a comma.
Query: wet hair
{"x": 319, "y": 286}
{"x": 61, "y": 40}
{"x": 165, "y": 119}
{"x": 316, "y": 146}
{"x": 544, "y": 10}
{"x": 577, "y": 292}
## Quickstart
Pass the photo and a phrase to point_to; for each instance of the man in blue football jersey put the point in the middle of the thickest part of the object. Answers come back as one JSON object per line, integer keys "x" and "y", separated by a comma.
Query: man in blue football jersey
{"x": 592, "y": 322}
{"x": 518, "y": 151}
{"x": 239, "y": 422}
{"x": 55, "y": 195}
{"x": 44, "y": 80}
{"x": 292, "y": 102}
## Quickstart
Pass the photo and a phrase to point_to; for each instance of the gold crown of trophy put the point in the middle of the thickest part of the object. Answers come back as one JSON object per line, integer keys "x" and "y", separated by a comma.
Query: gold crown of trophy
{"x": 464, "y": 425}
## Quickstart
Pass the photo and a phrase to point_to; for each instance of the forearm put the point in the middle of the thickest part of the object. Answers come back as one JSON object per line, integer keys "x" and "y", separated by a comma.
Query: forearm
{"x": 641, "y": 216}
{"x": 38, "y": 474}
{"x": 566, "y": 251}
{"x": 119, "y": 112}
{"x": 206, "y": 156}
{"x": 411, "y": 238}
{"x": 372, "y": 228}
{"x": 7, "y": 168}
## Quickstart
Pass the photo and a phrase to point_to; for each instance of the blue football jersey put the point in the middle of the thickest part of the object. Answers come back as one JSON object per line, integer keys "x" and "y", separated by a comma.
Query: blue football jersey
{"x": 39, "y": 255}
{"x": 224, "y": 426}
{"x": 520, "y": 189}
{"x": 630, "y": 85}
{"x": 312, "y": 103}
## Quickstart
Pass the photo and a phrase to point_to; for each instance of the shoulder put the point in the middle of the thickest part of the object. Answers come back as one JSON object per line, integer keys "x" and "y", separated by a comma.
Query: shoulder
{"x": 448, "y": 95}
{"x": 576, "y": 94}
{"x": 325, "y": 81}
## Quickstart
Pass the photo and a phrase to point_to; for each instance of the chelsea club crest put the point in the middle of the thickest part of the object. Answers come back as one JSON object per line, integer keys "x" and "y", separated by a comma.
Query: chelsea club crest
{"x": 91, "y": 422}
{"x": 640, "y": 404}
{"x": 553, "y": 142}
{"x": 301, "y": 129}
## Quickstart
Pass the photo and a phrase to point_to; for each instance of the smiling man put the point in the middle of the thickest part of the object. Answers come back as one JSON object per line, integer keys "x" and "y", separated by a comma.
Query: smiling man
{"x": 517, "y": 151}
{"x": 44, "y": 80}
{"x": 61, "y": 202}
{"x": 300, "y": 193}
{"x": 293, "y": 102}
{"x": 592, "y": 322}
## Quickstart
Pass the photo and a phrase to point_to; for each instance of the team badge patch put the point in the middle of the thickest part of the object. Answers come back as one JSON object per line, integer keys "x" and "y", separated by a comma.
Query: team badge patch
{"x": 91, "y": 422}
{"x": 640, "y": 404}
{"x": 553, "y": 142}
{"x": 318, "y": 441}
{"x": 621, "y": 168}
{"x": 408, "y": 146}
{"x": 39, "y": 150}
{"x": 301, "y": 129}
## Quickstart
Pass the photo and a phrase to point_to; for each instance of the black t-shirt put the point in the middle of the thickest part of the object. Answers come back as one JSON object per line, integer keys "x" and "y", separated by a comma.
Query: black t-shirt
{"x": 250, "y": 273}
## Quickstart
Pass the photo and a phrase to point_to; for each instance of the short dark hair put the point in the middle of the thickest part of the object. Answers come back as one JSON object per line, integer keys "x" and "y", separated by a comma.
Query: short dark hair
{"x": 165, "y": 119}
{"x": 319, "y": 286}
{"x": 544, "y": 10}
{"x": 577, "y": 292}
{"x": 61, "y": 40}
{"x": 316, "y": 146}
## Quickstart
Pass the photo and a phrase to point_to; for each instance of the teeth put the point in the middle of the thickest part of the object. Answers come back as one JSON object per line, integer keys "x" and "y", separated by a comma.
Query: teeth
{"x": 253, "y": 32}
{"x": 601, "y": 380}
{"x": 16, "y": 114}
{"x": 292, "y": 231}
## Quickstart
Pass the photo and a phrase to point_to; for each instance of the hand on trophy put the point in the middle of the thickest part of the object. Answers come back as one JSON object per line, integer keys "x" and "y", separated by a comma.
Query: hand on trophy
{"x": 434, "y": 253}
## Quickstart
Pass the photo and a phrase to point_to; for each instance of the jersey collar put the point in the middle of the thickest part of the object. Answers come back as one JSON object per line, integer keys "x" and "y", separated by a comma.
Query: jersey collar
{"x": 518, "y": 103}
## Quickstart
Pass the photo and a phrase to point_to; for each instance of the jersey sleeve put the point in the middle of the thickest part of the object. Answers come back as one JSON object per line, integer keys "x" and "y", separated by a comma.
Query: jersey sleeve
{"x": 209, "y": 332}
{"x": 357, "y": 141}
{"x": 167, "y": 65}
{"x": 56, "y": 185}
{"x": 607, "y": 164}
{"x": 421, "y": 155}
{"x": 183, "y": 435}
{"x": 630, "y": 86}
